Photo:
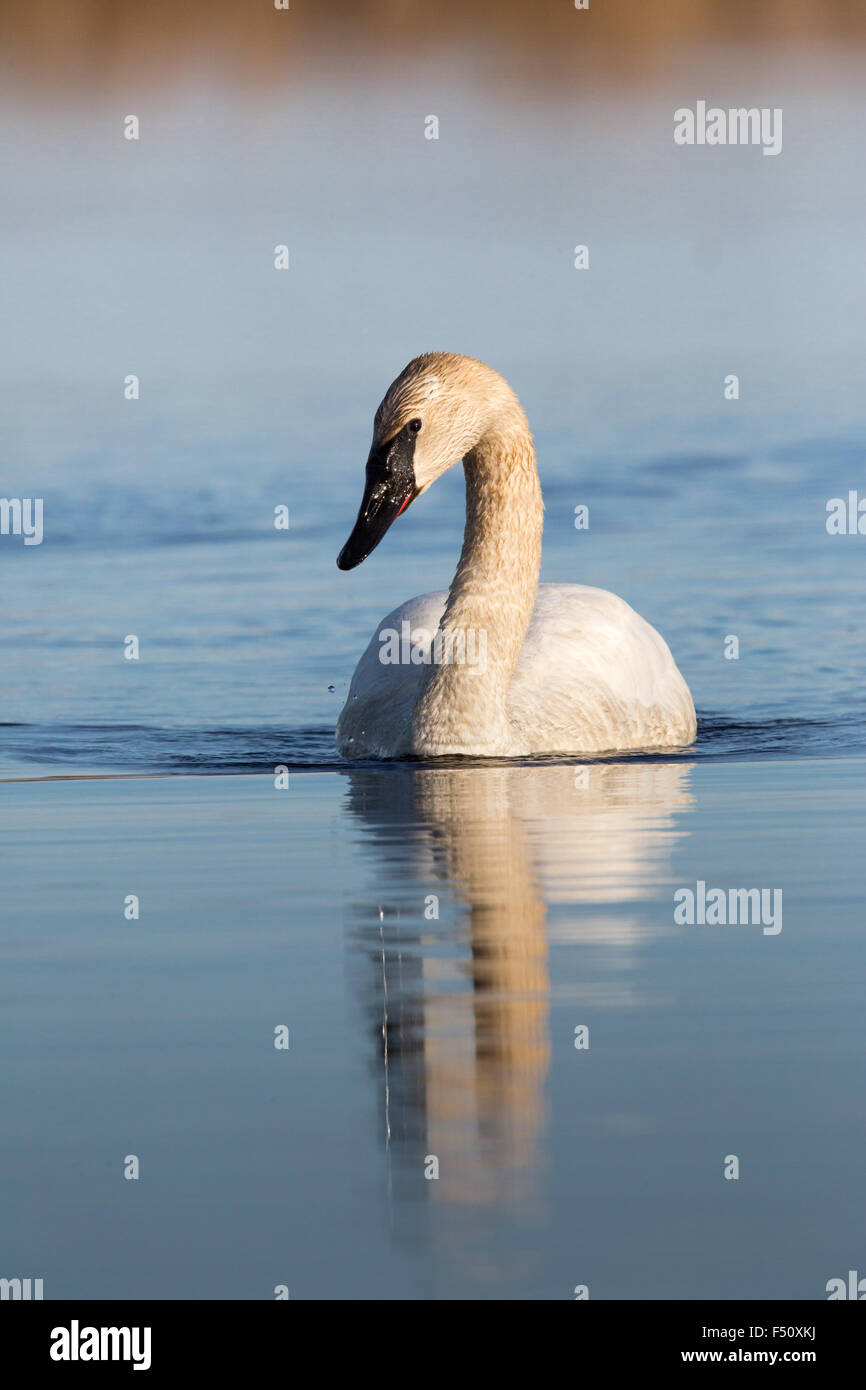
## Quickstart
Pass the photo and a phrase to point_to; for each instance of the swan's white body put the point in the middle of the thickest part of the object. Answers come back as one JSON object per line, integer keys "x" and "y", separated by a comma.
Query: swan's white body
{"x": 592, "y": 676}
{"x": 555, "y": 668}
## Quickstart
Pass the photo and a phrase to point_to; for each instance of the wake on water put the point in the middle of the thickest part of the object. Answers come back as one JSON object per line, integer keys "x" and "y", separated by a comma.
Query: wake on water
{"x": 78, "y": 749}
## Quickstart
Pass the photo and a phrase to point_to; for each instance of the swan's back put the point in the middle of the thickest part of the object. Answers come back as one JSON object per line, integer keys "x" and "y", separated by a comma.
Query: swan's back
{"x": 592, "y": 676}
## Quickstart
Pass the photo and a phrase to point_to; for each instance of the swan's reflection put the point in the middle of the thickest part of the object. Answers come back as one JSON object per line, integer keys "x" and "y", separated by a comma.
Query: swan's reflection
{"x": 460, "y": 1002}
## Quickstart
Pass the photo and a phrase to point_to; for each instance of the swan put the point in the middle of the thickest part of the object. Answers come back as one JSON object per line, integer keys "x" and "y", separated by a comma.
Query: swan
{"x": 499, "y": 666}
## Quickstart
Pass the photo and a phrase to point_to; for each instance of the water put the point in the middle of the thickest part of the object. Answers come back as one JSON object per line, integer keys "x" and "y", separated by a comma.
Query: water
{"x": 413, "y": 1034}
{"x": 306, "y": 908}
{"x": 258, "y": 389}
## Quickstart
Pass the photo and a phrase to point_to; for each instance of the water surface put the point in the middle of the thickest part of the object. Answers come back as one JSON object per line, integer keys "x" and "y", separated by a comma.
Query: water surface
{"x": 415, "y": 1035}
{"x": 430, "y": 936}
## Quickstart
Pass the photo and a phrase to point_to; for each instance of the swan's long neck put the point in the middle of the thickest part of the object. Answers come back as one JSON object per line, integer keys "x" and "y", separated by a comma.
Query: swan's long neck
{"x": 462, "y": 705}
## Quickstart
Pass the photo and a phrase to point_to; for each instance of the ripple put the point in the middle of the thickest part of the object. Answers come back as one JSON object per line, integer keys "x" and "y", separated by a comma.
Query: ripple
{"x": 147, "y": 749}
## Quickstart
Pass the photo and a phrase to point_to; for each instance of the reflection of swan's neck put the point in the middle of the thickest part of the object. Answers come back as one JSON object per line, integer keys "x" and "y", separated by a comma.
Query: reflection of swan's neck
{"x": 486, "y": 1055}
{"x": 491, "y": 598}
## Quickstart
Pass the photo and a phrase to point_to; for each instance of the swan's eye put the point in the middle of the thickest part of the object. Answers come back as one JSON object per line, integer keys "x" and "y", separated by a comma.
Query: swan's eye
{"x": 414, "y": 426}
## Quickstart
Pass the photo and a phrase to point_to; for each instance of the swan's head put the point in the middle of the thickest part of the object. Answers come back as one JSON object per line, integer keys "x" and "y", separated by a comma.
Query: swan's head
{"x": 436, "y": 411}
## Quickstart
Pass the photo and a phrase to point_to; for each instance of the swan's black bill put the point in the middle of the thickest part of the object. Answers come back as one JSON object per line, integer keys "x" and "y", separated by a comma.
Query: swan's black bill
{"x": 389, "y": 489}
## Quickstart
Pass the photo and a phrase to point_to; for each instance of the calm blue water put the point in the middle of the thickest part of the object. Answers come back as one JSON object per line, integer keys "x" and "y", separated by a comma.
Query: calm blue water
{"x": 258, "y": 389}
{"x": 306, "y": 908}
{"x": 416, "y": 1035}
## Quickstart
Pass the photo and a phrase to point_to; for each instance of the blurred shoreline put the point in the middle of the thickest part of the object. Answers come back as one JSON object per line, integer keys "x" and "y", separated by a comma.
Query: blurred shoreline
{"x": 112, "y": 43}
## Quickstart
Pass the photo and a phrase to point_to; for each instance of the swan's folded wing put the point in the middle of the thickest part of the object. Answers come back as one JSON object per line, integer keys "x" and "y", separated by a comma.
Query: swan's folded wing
{"x": 593, "y": 675}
